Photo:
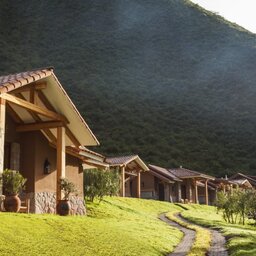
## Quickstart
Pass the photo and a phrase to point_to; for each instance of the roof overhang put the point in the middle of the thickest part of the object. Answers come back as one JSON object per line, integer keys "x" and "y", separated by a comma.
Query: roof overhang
{"x": 53, "y": 98}
{"x": 59, "y": 99}
{"x": 161, "y": 177}
{"x": 131, "y": 162}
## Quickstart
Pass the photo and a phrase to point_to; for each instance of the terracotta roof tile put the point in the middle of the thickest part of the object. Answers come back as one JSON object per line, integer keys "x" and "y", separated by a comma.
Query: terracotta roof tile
{"x": 186, "y": 173}
{"x": 13, "y": 81}
{"x": 164, "y": 172}
{"x": 119, "y": 159}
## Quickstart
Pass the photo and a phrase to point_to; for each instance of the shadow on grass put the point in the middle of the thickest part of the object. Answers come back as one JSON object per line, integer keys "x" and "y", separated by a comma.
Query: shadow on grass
{"x": 123, "y": 208}
{"x": 241, "y": 244}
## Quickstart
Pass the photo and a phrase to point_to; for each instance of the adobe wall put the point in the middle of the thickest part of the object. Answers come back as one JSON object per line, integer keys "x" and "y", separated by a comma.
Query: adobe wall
{"x": 26, "y": 154}
{"x": 33, "y": 150}
{"x": 147, "y": 186}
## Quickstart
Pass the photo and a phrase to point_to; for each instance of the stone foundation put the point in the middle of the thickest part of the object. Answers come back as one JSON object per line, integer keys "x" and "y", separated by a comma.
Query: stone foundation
{"x": 45, "y": 202}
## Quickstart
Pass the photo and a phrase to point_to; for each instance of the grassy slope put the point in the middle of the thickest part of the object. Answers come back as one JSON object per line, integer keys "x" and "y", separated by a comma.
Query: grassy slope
{"x": 242, "y": 238}
{"x": 115, "y": 227}
{"x": 187, "y": 77}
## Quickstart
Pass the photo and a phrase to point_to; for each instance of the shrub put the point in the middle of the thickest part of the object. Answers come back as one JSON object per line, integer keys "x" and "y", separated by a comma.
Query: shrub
{"x": 67, "y": 187}
{"x": 13, "y": 182}
{"x": 236, "y": 205}
{"x": 99, "y": 183}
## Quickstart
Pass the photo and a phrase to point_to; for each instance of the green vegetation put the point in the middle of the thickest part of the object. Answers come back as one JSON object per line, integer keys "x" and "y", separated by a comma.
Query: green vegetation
{"x": 241, "y": 238}
{"x": 203, "y": 237}
{"x": 146, "y": 75}
{"x": 116, "y": 226}
{"x": 67, "y": 187}
{"x": 13, "y": 182}
{"x": 237, "y": 205}
{"x": 99, "y": 183}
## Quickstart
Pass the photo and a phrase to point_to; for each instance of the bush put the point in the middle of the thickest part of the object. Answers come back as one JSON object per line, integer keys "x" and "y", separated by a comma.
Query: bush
{"x": 67, "y": 187}
{"x": 236, "y": 205}
{"x": 13, "y": 182}
{"x": 99, "y": 183}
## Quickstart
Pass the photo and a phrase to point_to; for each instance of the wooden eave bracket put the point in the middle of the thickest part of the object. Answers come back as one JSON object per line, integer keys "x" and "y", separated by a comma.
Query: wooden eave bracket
{"x": 32, "y": 86}
{"x": 32, "y": 107}
{"x": 39, "y": 126}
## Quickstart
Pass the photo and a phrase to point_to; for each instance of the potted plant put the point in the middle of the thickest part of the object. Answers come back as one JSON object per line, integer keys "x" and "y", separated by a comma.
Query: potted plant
{"x": 63, "y": 205}
{"x": 13, "y": 184}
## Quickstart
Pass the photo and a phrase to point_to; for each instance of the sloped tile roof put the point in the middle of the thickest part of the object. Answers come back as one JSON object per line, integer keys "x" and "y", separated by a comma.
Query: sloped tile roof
{"x": 239, "y": 175}
{"x": 161, "y": 177}
{"x": 127, "y": 160}
{"x": 164, "y": 172}
{"x": 119, "y": 160}
{"x": 14, "y": 81}
{"x": 8, "y": 83}
{"x": 186, "y": 173}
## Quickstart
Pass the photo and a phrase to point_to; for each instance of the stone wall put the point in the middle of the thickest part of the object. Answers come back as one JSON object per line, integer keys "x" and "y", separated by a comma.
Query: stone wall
{"x": 45, "y": 202}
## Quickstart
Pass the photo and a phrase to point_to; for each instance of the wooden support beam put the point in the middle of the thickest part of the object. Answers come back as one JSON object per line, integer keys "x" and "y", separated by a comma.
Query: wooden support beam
{"x": 16, "y": 118}
{"x": 27, "y": 88}
{"x": 127, "y": 179}
{"x": 39, "y": 126}
{"x": 138, "y": 185}
{"x": 49, "y": 106}
{"x": 72, "y": 137}
{"x": 30, "y": 106}
{"x": 33, "y": 96}
{"x": 45, "y": 101}
{"x": 196, "y": 191}
{"x": 206, "y": 193}
{"x": 123, "y": 181}
{"x": 2, "y": 138}
{"x": 131, "y": 174}
{"x": 178, "y": 191}
{"x": 47, "y": 132}
{"x": 61, "y": 159}
{"x": 40, "y": 86}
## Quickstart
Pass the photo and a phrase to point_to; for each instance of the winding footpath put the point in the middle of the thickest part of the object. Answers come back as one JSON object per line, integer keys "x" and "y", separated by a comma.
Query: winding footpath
{"x": 187, "y": 241}
{"x": 218, "y": 242}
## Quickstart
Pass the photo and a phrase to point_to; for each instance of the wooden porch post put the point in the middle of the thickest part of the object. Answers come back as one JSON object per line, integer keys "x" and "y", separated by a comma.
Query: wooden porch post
{"x": 2, "y": 137}
{"x": 123, "y": 181}
{"x": 206, "y": 193}
{"x": 138, "y": 185}
{"x": 189, "y": 183}
{"x": 61, "y": 159}
{"x": 196, "y": 192}
{"x": 178, "y": 191}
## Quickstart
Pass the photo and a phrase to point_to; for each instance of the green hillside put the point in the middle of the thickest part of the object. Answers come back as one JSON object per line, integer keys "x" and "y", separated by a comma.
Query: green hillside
{"x": 163, "y": 79}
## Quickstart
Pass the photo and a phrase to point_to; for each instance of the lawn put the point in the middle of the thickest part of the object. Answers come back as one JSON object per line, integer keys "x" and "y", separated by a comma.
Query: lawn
{"x": 116, "y": 226}
{"x": 241, "y": 239}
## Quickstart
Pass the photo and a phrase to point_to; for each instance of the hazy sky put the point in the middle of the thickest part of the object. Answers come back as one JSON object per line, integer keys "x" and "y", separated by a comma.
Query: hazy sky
{"x": 242, "y": 12}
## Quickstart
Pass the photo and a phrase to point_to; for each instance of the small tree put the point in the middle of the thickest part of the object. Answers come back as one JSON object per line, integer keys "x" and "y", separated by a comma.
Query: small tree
{"x": 99, "y": 183}
{"x": 251, "y": 199}
{"x": 237, "y": 205}
{"x": 67, "y": 187}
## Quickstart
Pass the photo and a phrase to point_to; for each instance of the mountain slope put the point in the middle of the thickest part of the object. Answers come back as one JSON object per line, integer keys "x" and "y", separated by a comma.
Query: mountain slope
{"x": 163, "y": 79}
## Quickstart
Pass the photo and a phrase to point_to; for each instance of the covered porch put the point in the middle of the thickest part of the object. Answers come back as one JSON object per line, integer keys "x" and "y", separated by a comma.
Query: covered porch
{"x": 158, "y": 183}
{"x": 131, "y": 168}
{"x": 39, "y": 125}
{"x": 194, "y": 187}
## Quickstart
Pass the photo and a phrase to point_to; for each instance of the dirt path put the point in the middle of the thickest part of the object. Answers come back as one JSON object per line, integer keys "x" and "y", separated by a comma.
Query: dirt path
{"x": 218, "y": 242}
{"x": 185, "y": 245}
